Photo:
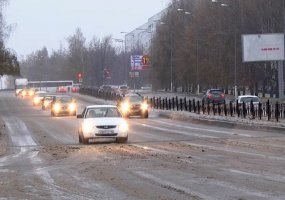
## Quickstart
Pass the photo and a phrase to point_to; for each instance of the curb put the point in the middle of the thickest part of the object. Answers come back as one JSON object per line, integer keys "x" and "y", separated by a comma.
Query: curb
{"x": 223, "y": 123}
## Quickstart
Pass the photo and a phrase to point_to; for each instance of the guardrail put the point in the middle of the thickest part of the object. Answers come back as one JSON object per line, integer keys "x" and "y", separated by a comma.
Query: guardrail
{"x": 266, "y": 110}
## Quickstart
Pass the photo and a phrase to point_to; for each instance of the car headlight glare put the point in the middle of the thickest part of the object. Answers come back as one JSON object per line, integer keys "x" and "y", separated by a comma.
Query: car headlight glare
{"x": 87, "y": 128}
{"x": 56, "y": 107}
{"x": 72, "y": 107}
{"x": 124, "y": 127}
{"x": 125, "y": 107}
{"x": 144, "y": 106}
{"x": 36, "y": 100}
{"x": 46, "y": 103}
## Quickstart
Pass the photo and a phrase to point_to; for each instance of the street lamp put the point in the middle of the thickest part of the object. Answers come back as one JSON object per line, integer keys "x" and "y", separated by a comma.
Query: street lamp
{"x": 171, "y": 56}
{"x": 235, "y": 50}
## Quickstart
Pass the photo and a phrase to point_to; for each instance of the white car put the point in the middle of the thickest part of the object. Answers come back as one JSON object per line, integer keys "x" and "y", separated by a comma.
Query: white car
{"x": 102, "y": 121}
{"x": 247, "y": 100}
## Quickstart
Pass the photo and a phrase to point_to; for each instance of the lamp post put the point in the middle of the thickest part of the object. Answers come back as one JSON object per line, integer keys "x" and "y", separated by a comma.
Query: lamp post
{"x": 235, "y": 49}
{"x": 171, "y": 56}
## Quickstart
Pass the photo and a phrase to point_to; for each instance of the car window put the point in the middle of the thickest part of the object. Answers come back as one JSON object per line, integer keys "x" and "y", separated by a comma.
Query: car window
{"x": 64, "y": 99}
{"x": 102, "y": 112}
{"x": 134, "y": 99}
{"x": 249, "y": 99}
{"x": 216, "y": 92}
{"x": 49, "y": 98}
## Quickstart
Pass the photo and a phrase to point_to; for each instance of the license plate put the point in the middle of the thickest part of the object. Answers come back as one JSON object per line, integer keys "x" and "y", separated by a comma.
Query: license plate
{"x": 105, "y": 132}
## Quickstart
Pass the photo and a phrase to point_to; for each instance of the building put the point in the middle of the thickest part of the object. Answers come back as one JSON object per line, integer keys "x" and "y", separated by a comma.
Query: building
{"x": 141, "y": 37}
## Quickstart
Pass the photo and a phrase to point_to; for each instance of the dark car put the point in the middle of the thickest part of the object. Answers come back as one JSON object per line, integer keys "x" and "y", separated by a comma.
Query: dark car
{"x": 63, "y": 105}
{"x": 214, "y": 96}
{"x": 133, "y": 105}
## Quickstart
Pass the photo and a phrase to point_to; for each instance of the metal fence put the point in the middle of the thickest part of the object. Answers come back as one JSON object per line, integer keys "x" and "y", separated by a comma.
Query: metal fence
{"x": 268, "y": 110}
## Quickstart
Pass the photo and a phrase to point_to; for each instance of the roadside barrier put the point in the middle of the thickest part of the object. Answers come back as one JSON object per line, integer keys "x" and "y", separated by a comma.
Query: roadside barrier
{"x": 268, "y": 110}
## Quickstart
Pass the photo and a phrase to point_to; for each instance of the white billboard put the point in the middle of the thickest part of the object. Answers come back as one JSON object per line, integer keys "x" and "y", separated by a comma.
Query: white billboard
{"x": 263, "y": 47}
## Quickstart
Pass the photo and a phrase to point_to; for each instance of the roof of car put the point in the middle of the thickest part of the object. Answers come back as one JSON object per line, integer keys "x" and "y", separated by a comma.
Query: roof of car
{"x": 242, "y": 96}
{"x": 100, "y": 106}
{"x": 132, "y": 94}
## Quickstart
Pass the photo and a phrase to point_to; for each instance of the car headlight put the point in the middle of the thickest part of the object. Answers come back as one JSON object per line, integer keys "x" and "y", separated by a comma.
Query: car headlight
{"x": 87, "y": 127}
{"x": 124, "y": 127}
{"x": 144, "y": 106}
{"x": 24, "y": 93}
{"x": 72, "y": 107}
{"x": 125, "y": 107}
{"x": 56, "y": 107}
{"x": 36, "y": 100}
{"x": 31, "y": 93}
{"x": 46, "y": 103}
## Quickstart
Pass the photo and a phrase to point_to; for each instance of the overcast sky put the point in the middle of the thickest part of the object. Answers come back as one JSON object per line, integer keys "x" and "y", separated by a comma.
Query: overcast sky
{"x": 49, "y": 22}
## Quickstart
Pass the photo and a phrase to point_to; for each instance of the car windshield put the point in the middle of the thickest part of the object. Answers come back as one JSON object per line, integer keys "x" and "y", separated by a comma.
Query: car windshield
{"x": 249, "y": 99}
{"x": 216, "y": 92}
{"x": 41, "y": 94}
{"x": 102, "y": 112}
{"x": 48, "y": 97}
{"x": 64, "y": 99}
{"x": 123, "y": 87}
{"x": 134, "y": 99}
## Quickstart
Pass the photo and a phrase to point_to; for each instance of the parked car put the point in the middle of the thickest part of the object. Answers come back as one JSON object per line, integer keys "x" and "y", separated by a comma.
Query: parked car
{"x": 133, "y": 105}
{"x": 102, "y": 121}
{"x": 63, "y": 105}
{"x": 214, "y": 96}
{"x": 247, "y": 100}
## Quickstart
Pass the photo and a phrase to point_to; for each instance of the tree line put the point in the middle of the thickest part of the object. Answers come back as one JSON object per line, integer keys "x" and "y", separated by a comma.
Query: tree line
{"x": 201, "y": 40}
{"x": 80, "y": 56}
{"x": 9, "y": 64}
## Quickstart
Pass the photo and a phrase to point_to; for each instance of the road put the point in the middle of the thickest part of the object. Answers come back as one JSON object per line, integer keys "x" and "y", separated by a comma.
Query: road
{"x": 163, "y": 159}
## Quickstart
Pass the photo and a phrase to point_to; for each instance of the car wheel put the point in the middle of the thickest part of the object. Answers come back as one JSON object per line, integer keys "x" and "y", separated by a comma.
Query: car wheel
{"x": 145, "y": 115}
{"x": 52, "y": 113}
{"x": 79, "y": 138}
{"x": 122, "y": 139}
{"x": 43, "y": 108}
{"x": 84, "y": 140}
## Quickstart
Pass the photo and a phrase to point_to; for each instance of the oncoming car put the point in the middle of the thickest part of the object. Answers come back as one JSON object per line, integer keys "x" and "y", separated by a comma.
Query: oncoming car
{"x": 63, "y": 105}
{"x": 37, "y": 100}
{"x": 46, "y": 102}
{"x": 102, "y": 121}
{"x": 133, "y": 105}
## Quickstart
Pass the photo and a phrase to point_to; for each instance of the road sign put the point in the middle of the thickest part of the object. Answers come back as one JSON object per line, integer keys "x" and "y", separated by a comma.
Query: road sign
{"x": 140, "y": 62}
{"x": 133, "y": 74}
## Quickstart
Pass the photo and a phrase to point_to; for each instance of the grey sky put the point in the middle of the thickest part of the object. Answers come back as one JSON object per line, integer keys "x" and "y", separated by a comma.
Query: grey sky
{"x": 49, "y": 22}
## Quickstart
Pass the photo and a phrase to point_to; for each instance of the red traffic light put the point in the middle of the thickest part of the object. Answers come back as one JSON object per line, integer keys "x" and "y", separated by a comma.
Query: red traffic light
{"x": 79, "y": 75}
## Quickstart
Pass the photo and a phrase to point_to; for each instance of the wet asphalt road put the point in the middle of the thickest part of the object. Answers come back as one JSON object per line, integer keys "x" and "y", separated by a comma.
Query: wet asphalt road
{"x": 163, "y": 159}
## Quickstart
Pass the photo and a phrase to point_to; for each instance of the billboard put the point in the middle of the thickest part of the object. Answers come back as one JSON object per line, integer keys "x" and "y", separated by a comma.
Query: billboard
{"x": 140, "y": 62}
{"x": 263, "y": 47}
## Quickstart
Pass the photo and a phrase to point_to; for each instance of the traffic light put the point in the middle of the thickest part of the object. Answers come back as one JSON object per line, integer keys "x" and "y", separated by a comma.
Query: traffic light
{"x": 79, "y": 75}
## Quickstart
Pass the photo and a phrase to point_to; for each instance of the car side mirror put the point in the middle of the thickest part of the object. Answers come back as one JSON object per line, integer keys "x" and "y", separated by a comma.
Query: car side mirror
{"x": 79, "y": 116}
